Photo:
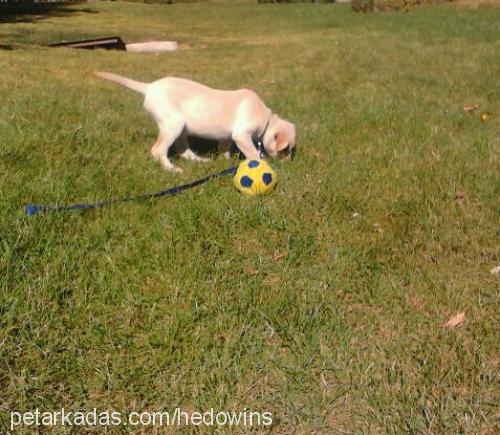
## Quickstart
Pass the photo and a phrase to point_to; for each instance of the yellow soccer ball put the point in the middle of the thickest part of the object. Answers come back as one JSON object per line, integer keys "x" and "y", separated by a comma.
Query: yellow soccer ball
{"x": 255, "y": 177}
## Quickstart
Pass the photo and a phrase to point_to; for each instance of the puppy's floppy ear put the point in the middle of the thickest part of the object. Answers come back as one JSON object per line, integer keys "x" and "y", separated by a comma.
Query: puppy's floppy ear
{"x": 281, "y": 141}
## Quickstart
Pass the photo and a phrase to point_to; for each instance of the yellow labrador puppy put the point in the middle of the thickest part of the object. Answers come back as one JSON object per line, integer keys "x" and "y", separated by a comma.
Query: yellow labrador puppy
{"x": 182, "y": 107}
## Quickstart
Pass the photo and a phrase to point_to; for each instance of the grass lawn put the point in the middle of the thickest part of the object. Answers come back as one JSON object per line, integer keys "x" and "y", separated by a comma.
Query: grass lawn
{"x": 286, "y": 303}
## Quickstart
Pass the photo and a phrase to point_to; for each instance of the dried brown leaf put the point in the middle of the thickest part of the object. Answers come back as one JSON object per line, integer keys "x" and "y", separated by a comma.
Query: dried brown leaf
{"x": 435, "y": 155}
{"x": 495, "y": 271}
{"x": 470, "y": 107}
{"x": 417, "y": 302}
{"x": 456, "y": 320}
{"x": 278, "y": 256}
{"x": 251, "y": 271}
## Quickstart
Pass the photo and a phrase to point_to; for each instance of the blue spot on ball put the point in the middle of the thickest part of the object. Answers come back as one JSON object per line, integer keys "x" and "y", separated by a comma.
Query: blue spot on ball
{"x": 267, "y": 178}
{"x": 246, "y": 181}
{"x": 253, "y": 163}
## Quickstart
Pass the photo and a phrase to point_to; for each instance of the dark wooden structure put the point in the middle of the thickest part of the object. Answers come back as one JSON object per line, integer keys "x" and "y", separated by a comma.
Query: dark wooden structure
{"x": 108, "y": 43}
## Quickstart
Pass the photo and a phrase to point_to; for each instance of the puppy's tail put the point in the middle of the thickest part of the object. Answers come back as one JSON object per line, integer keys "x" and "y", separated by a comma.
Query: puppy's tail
{"x": 124, "y": 81}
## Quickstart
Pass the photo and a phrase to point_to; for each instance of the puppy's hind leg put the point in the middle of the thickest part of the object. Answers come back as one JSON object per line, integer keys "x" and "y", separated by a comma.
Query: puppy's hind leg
{"x": 189, "y": 154}
{"x": 170, "y": 130}
{"x": 186, "y": 152}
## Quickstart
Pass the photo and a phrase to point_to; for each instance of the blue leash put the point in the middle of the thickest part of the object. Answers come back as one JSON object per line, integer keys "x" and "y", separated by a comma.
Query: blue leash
{"x": 32, "y": 209}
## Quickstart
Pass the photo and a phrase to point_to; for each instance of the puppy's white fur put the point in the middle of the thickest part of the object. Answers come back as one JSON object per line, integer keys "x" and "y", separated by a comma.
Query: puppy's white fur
{"x": 181, "y": 107}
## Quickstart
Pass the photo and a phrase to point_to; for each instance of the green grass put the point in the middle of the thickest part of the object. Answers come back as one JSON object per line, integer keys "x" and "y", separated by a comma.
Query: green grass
{"x": 186, "y": 301}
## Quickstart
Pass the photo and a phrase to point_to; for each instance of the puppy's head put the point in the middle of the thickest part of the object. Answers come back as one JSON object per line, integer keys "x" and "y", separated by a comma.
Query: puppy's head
{"x": 279, "y": 140}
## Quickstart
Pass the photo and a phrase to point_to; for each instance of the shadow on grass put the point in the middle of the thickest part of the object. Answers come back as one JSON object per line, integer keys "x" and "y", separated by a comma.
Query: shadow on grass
{"x": 34, "y": 12}
{"x": 204, "y": 147}
{"x": 201, "y": 146}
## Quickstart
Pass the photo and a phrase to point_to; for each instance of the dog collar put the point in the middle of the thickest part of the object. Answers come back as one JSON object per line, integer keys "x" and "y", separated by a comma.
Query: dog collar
{"x": 259, "y": 143}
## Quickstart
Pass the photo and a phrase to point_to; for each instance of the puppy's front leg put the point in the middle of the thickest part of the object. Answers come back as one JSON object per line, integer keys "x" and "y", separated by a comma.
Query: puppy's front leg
{"x": 245, "y": 144}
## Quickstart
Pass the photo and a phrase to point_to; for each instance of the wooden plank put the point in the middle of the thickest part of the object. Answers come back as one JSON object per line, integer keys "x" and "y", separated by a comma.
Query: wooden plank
{"x": 108, "y": 43}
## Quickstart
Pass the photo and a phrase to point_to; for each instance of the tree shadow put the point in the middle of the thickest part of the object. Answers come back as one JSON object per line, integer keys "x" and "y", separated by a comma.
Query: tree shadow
{"x": 33, "y": 12}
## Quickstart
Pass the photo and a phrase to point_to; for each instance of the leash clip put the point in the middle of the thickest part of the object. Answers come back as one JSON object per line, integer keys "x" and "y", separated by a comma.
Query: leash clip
{"x": 260, "y": 148}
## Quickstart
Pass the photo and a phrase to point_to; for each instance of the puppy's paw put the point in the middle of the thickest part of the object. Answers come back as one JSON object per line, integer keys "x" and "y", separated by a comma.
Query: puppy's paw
{"x": 168, "y": 166}
{"x": 175, "y": 169}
